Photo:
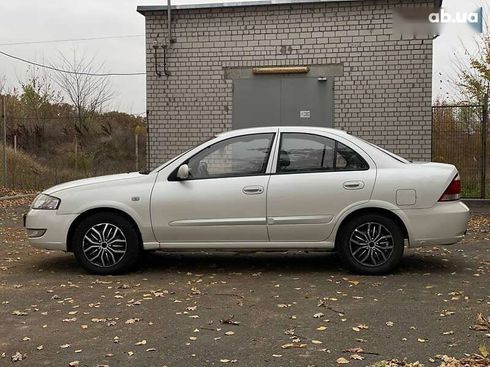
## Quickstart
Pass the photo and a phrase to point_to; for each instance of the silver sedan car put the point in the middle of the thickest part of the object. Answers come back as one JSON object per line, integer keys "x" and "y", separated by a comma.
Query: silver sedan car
{"x": 262, "y": 189}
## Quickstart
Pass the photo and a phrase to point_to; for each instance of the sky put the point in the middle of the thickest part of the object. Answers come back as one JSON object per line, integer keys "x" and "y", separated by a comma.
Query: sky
{"x": 36, "y": 20}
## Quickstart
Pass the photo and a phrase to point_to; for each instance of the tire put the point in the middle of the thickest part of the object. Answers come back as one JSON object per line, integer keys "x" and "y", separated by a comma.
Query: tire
{"x": 370, "y": 244}
{"x": 106, "y": 243}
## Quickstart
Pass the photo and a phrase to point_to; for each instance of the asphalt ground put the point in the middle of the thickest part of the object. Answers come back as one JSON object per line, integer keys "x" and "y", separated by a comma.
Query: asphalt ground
{"x": 219, "y": 309}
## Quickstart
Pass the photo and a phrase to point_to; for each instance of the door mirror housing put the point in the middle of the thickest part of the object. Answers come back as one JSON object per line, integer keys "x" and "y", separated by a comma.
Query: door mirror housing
{"x": 183, "y": 172}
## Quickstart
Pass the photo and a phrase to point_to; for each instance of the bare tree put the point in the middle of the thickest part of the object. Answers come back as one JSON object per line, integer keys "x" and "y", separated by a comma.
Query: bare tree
{"x": 37, "y": 97}
{"x": 472, "y": 66}
{"x": 88, "y": 93}
{"x": 3, "y": 84}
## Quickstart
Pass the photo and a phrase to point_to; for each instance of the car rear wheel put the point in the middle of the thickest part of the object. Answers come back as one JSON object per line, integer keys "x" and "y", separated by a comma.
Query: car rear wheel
{"x": 371, "y": 244}
{"x": 106, "y": 243}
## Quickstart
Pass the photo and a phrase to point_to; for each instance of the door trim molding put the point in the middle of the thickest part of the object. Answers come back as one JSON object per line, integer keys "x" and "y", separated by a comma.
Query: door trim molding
{"x": 218, "y": 222}
{"x": 300, "y": 219}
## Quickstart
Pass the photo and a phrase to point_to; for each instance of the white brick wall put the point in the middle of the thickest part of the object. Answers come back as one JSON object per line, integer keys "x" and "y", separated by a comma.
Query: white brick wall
{"x": 384, "y": 94}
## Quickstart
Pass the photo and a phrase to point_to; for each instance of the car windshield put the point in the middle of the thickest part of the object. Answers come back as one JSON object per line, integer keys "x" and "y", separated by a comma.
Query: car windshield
{"x": 150, "y": 170}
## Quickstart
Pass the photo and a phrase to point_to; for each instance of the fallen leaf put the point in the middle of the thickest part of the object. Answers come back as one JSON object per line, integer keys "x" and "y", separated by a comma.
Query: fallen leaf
{"x": 230, "y": 321}
{"x": 17, "y": 357}
{"x": 483, "y": 350}
{"x": 293, "y": 345}
{"x": 482, "y": 323}
{"x": 342, "y": 360}
{"x": 19, "y": 313}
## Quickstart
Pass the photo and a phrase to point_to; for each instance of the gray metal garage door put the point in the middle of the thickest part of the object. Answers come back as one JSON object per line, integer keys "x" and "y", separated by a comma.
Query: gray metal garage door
{"x": 274, "y": 100}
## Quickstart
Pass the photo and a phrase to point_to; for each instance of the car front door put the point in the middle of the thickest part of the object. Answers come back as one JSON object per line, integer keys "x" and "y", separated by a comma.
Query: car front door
{"x": 315, "y": 179}
{"x": 223, "y": 200}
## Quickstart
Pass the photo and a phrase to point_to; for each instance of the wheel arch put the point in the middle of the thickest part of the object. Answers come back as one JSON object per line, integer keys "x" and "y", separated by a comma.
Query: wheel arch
{"x": 373, "y": 210}
{"x": 89, "y": 212}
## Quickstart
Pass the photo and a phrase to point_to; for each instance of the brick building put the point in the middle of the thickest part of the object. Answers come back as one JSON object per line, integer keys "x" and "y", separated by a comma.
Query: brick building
{"x": 320, "y": 62}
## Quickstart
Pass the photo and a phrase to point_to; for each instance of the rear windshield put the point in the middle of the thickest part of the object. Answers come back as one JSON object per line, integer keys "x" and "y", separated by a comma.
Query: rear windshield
{"x": 392, "y": 155}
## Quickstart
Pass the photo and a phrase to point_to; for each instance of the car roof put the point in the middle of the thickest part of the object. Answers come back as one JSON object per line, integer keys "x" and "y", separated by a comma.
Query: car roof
{"x": 265, "y": 129}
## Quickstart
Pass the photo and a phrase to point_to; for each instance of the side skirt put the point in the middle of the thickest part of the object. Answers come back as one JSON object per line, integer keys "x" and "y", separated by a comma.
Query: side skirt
{"x": 243, "y": 246}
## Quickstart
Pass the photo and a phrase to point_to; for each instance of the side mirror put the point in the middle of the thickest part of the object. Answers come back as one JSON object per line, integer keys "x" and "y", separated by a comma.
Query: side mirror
{"x": 183, "y": 172}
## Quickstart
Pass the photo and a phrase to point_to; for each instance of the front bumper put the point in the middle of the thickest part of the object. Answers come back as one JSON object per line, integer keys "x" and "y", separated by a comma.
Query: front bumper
{"x": 56, "y": 226}
{"x": 443, "y": 224}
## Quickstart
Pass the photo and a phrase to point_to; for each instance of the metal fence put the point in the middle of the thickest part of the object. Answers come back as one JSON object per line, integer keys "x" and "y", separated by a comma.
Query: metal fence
{"x": 459, "y": 137}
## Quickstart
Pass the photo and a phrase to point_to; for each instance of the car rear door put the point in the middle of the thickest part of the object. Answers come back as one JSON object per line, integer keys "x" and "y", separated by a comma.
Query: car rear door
{"x": 315, "y": 177}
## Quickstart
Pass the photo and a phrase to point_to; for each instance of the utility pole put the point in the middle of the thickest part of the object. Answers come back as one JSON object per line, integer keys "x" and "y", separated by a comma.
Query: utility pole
{"x": 136, "y": 153}
{"x": 5, "y": 141}
{"x": 484, "y": 147}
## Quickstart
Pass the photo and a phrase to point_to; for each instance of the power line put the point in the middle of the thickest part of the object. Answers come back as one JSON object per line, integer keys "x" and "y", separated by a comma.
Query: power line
{"x": 72, "y": 117}
{"x": 67, "y": 71}
{"x": 72, "y": 40}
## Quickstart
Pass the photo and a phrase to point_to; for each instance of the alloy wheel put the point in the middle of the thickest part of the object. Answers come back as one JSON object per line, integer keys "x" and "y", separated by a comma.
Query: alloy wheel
{"x": 104, "y": 245}
{"x": 371, "y": 244}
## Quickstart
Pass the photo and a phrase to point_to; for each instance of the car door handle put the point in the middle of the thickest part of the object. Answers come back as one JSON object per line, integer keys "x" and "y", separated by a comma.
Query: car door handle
{"x": 353, "y": 185}
{"x": 253, "y": 190}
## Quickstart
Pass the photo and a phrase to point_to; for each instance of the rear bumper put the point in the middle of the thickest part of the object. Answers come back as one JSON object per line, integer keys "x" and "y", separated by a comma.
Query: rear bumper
{"x": 443, "y": 224}
{"x": 56, "y": 228}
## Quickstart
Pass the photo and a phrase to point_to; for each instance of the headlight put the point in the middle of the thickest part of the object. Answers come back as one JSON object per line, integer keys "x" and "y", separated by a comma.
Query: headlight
{"x": 46, "y": 202}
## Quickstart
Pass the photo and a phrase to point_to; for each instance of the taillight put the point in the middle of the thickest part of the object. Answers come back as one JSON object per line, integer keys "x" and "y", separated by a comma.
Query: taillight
{"x": 453, "y": 191}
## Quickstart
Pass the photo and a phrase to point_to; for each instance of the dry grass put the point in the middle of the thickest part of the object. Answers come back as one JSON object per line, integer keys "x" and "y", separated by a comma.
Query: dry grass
{"x": 25, "y": 173}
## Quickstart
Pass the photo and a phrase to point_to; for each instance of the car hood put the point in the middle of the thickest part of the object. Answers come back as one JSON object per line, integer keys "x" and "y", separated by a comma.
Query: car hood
{"x": 92, "y": 181}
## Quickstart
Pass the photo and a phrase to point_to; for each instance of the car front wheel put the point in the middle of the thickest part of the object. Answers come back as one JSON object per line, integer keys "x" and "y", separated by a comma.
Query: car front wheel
{"x": 106, "y": 243}
{"x": 371, "y": 244}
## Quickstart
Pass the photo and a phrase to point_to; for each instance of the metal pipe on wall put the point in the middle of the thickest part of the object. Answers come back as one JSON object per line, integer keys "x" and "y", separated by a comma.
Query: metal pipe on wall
{"x": 169, "y": 22}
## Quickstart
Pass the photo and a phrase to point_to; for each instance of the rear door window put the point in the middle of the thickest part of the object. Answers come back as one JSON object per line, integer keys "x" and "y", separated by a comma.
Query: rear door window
{"x": 302, "y": 153}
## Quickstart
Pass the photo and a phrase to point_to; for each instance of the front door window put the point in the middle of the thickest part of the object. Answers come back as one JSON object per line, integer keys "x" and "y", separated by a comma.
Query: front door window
{"x": 245, "y": 155}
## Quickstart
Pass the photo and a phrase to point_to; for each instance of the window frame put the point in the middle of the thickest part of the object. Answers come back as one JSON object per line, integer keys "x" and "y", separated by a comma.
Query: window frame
{"x": 336, "y": 143}
{"x": 173, "y": 175}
